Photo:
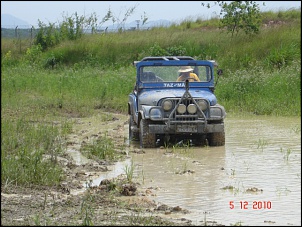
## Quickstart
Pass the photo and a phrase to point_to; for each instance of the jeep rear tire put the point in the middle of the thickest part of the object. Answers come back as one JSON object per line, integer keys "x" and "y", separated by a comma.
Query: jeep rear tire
{"x": 216, "y": 139}
{"x": 147, "y": 140}
{"x": 133, "y": 130}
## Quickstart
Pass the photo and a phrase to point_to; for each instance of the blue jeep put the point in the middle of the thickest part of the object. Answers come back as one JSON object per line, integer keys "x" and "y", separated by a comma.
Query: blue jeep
{"x": 162, "y": 108}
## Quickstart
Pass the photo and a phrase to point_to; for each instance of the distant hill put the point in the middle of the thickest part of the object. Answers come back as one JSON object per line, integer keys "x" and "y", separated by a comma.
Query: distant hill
{"x": 9, "y": 21}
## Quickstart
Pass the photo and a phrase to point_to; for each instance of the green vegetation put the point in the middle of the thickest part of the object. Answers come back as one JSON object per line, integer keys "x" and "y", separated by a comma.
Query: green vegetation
{"x": 239, "y": 15}
{"x": 262, "y": 75}
{"x": 129, "y": 170}
{"x": 29, "y": 152}
{"x": 101, "y": 149}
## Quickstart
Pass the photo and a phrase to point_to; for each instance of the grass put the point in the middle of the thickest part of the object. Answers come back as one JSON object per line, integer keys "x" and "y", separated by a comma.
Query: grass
{"x": 129, "y": 170}
{"x": 262, "y": 74}
{"x": 261, "y": 92}
{"x": 262, "y": 143}
{"x": 282, "y": 191}
{"x": 29, "y": 152}
{"x": 87, "y": 212}
{"x": 62, "y": 91}
{"x": 296, "y": 129}
{"x": 286, "y": 153}
{"x": 101, "y": 149}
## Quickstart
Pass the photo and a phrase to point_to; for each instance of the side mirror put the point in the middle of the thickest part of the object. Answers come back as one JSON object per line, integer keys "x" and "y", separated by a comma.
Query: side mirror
{"x": 219, "y": 72}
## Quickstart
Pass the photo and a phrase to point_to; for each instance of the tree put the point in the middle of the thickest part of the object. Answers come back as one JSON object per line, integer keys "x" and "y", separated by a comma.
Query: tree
{"x": 239, "y": 15}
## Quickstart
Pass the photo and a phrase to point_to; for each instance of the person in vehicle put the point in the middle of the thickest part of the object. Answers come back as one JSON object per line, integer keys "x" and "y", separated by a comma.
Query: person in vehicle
{"x": 186, "y": 73}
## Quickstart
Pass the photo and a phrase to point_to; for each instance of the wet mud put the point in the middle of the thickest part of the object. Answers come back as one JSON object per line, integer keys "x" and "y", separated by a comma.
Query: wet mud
{"x": 253, "y": 180}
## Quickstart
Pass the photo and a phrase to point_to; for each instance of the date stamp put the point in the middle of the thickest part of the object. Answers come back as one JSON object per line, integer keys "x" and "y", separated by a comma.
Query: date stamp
{"x": 255, "y": 205}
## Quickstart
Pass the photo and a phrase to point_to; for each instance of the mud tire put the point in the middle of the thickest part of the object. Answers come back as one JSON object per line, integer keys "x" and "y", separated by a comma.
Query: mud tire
{"x": 216, "y": 139}
{"x": 147, "y": 140}
{"x": 133, "y": 135}
{"x": 200, "y": 140}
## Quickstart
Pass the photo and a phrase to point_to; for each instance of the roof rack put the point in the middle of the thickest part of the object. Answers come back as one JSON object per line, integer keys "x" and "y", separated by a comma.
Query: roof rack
{"x": 168, "y": 58}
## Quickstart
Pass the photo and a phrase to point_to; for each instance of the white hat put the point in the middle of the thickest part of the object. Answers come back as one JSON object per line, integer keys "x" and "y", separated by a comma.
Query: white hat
{"x": 184, "y": 69}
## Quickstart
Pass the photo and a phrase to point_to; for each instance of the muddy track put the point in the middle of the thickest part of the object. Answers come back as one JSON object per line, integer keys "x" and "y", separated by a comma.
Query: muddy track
{"x": 71, "y": 203}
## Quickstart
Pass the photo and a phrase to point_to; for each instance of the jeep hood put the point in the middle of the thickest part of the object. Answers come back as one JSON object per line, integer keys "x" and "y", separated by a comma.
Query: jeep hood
{"x": 152, "y": 97}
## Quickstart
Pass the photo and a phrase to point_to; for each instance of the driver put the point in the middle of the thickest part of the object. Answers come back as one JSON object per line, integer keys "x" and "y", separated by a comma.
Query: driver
{"x": 186, "y": 73}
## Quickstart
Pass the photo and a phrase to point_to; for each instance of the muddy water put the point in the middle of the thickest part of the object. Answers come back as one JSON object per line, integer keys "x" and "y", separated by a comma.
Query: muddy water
{"x": 255, "y": 179}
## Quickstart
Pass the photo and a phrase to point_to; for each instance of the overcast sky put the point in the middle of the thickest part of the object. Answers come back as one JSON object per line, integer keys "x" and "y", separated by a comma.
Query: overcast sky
{"x": 175, "y": 11}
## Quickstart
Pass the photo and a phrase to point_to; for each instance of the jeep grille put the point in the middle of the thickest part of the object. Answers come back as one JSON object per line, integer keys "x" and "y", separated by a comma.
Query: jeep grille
{"x": 186, "y": 110}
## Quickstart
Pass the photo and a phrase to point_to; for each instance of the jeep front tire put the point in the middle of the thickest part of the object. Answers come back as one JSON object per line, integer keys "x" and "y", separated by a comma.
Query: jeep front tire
{"x": 133, "y": 130}
{"x": 216, "y": 139}
{"x": 147, "y": 140}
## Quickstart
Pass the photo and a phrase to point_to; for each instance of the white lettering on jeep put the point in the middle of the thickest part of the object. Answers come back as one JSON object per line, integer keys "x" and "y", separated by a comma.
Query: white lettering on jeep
{"x": 174, "y": 84}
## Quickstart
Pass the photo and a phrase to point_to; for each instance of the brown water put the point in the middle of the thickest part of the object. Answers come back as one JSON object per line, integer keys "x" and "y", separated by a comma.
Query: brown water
{"x": 263, "y": 153}
{"x": 261, "y": 162}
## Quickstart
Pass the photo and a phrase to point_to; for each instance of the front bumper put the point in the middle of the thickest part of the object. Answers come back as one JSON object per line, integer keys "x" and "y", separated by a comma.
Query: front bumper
{"x": 184, "y": 128}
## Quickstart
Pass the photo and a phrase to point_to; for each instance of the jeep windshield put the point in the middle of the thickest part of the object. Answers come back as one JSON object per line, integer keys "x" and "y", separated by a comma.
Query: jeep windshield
{"x": 175, "y": 73}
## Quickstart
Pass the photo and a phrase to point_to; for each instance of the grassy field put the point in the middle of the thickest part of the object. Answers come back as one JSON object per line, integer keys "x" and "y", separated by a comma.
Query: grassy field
{"x": 262, "y": 75}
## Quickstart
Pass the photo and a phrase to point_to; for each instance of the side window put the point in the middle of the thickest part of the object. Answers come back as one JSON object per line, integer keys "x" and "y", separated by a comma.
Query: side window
{"x": 144, "y": 76}
{"x": 148, "y": 77}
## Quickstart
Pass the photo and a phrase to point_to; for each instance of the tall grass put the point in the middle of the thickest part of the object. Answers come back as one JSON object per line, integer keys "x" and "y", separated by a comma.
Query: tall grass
{"x": 248, "y": 84}
{"x": 274, "y": 43}
{"x": 29, "y": 153}
{"x": 71, "y": 91}
{"x": 262, "y": 92}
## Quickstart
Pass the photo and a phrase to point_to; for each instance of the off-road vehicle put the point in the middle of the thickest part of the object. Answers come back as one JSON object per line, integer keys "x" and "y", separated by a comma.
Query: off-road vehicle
{"x": 162, "y": 109}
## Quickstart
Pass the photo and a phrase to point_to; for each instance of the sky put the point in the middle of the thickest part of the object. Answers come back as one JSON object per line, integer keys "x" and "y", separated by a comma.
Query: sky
{"x": 174, "y": 11}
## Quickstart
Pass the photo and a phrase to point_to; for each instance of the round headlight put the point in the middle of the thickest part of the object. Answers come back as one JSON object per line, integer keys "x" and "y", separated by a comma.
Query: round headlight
{"x": 181, "y": 109}
{"x": 192, "y": 108}
{"x": 167, "y": 105}
{"x": 202, "y": 104}
{"x": 155, "y": 114}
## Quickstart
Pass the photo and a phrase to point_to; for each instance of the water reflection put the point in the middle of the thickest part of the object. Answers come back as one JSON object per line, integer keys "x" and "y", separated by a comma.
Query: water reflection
{"x": 113, "y": 171}
{"x": 261, "y": 153}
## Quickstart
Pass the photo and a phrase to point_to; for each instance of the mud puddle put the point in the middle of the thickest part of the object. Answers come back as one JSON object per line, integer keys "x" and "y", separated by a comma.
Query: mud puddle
{"x": 255, "y": 179}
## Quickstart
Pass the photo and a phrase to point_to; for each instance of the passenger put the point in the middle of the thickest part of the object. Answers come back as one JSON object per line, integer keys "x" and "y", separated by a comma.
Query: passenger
{"x": 186, "y": 73}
